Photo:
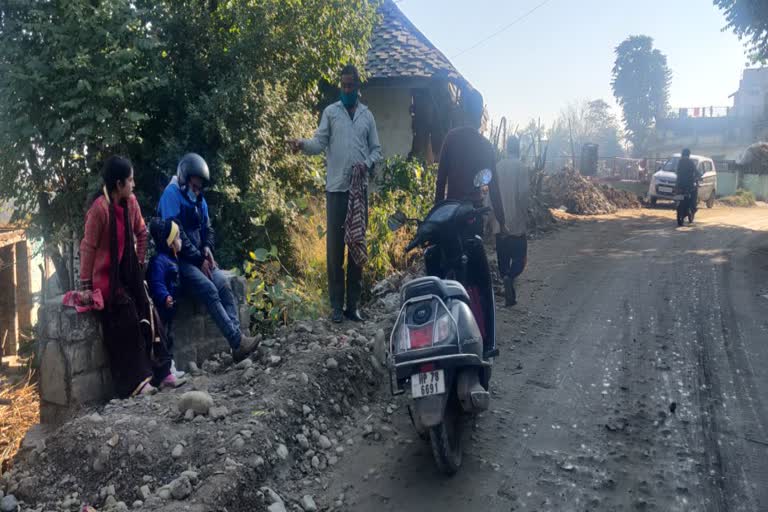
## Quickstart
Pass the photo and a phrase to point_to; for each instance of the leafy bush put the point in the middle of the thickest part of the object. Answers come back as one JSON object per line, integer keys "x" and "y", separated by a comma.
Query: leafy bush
{"x": 275, "y": 296}
{"x": 403, "y": 185}
{"x": 281, "y": 292}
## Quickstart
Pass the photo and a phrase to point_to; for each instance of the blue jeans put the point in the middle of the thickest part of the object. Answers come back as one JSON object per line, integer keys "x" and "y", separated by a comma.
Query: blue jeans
{"x": 217, "y": 297}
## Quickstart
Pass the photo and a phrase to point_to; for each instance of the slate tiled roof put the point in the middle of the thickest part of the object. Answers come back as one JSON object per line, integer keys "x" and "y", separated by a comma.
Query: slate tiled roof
{"x": 399, "y": 49}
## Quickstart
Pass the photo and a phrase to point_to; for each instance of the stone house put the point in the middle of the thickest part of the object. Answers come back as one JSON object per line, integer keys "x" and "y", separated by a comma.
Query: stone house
{"x": 412, "y": 88}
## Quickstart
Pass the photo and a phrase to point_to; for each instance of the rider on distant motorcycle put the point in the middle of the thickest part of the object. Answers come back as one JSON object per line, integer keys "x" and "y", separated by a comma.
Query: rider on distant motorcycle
{"x": 687, "y": 175}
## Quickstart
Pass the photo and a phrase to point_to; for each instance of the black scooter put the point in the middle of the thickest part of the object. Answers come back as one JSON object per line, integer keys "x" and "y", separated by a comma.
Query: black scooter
{"x": 686, "y": 206}
{"x": 444, "y": 340}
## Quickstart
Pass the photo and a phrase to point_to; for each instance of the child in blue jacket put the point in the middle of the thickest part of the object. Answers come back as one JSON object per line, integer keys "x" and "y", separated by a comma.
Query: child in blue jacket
{"x": 163, "y": 278}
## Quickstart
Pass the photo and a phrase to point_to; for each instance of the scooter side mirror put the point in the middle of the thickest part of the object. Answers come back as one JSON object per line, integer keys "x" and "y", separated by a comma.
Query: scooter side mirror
{"x": 483, "y": 178}
{"x": 396, "y": 221}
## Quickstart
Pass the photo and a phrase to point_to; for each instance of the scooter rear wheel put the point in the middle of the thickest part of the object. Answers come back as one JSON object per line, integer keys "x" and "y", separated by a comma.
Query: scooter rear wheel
{"x": 445, "y": 439}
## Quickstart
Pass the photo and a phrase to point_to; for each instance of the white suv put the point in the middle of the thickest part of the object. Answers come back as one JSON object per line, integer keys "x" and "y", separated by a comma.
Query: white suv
{"x": 664, "y": 180}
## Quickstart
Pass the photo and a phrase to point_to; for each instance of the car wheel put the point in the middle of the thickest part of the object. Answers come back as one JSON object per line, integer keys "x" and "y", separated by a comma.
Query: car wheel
{"x": 654, "y": 201}
{"x": 711, "y": 200}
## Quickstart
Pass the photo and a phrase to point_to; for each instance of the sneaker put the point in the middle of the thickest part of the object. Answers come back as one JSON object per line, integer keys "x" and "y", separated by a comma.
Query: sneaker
{"x": 176, "y": 373}
{"x": 509, "y": 291}
{"x": 172, "y": 382}
{"x": 147, "y": 389}
{"x": 338, "y": 316}
{"x": 247, "y": 345}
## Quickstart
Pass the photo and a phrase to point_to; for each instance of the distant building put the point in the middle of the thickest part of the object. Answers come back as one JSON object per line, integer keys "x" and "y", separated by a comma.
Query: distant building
{"x": 721, "y": 133}
{"x": 412, "y": 88}
{"x": 751, "y": 100}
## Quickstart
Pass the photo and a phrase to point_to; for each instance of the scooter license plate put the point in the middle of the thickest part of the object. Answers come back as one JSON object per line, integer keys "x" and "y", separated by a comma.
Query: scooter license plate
{"x": 427, "y": 384}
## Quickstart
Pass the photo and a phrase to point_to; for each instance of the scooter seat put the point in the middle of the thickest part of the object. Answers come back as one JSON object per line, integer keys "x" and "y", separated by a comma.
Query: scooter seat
{"x": 429, "y": 285}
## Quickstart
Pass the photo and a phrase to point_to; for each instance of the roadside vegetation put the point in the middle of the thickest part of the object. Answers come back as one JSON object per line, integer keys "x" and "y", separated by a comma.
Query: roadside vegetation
{"x": 742, "y": 198}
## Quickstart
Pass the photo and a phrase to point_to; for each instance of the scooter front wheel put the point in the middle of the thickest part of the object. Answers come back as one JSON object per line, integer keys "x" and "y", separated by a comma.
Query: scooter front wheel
{"x": 445, "y": 439}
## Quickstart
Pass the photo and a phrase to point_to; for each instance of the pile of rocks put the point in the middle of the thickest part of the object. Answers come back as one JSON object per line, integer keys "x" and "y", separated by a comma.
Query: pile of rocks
{"x": 621, "y": 199}
{"x": 577, "y": 194}
{"x": 279, "y": 420}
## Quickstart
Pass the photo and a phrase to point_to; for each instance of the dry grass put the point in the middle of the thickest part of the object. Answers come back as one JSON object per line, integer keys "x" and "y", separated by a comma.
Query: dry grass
{"x": 308, "y": 245}
{"x": 742, "y": 199}
{"x": 19, "y": 411}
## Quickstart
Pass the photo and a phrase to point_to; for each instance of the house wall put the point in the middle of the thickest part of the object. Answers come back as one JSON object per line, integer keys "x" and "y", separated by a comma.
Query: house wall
{"x": 720, "y": 138}
{"x": 713, "y": 146}
{"x": 391, "y": 109}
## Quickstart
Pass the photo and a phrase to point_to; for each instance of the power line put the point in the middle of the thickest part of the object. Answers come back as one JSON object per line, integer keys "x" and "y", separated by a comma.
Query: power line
{"x": 502, "y": 29}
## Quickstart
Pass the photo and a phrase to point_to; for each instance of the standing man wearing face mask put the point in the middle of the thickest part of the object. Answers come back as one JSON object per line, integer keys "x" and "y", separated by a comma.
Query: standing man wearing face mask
{"x": 183, "y": 202}
{"x": 347, "y": 133}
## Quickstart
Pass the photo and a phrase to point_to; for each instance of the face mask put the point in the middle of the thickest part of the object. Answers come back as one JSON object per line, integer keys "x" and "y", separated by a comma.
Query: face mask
{"x": 349, "y": 100}
{"x": 191, "y": 195}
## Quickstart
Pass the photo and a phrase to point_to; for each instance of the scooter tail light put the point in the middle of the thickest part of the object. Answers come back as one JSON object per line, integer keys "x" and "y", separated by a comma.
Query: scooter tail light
{"x": 443, "y": 328}
{"x": 421, "y": 336}
{"x": 403, "y": 338}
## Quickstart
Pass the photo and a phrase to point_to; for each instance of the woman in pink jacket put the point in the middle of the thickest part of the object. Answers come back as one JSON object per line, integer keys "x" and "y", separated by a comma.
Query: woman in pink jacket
{"x": 111, "y": 257}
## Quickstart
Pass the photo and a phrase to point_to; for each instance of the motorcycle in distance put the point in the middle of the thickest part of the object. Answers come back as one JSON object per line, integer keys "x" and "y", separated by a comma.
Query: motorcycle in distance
{"x": 444, "y": 340}
{"x": 685, "y": 208}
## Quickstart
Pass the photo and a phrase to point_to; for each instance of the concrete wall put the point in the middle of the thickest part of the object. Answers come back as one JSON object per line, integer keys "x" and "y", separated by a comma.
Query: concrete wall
{"x": 717, "y": 148}
{"x": 74, "y": 367}
{"x": 391, "y": 109}
{"x": 758, "y": 184}
{"x": 728, "y": 183}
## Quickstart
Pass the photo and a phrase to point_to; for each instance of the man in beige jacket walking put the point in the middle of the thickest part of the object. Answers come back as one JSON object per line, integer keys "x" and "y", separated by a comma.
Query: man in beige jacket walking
{"x": 512, "y": 242}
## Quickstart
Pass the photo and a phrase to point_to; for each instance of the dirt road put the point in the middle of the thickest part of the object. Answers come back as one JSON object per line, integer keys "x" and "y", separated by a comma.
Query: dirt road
{"x": 633, "y": 376}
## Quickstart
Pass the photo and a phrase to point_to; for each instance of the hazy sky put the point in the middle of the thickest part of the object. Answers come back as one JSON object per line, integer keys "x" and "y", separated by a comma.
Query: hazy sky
{"x": 564, "y": 51}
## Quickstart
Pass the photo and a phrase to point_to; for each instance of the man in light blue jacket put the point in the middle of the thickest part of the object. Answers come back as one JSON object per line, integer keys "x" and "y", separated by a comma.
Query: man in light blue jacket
{"x": 347, "y": 133}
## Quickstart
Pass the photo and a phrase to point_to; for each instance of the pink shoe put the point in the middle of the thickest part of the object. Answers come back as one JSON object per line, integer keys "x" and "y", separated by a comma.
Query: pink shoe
{"x": 147, "y": 389}
{"x": 172, "y": 382}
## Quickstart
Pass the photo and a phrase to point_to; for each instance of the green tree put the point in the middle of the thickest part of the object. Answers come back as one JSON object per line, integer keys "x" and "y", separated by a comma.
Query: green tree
{"x": 244, "y": 84}
{"x": 748, "y": 19}
{"x": 73, "y": 76}
{"x": 153, "y": 79}
{"x": 641, "y": 80}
